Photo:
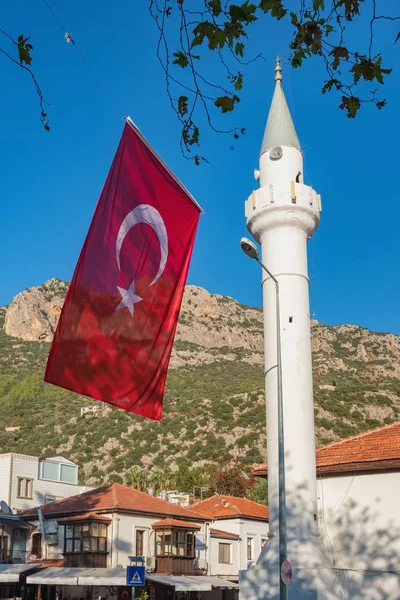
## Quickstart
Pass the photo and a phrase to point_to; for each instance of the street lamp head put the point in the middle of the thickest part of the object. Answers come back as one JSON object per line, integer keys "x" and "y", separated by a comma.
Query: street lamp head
{"x": 249, "y": 248}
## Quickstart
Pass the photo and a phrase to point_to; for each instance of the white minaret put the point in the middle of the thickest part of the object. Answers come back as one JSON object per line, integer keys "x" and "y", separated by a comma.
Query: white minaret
{"x": 282, "y": 215}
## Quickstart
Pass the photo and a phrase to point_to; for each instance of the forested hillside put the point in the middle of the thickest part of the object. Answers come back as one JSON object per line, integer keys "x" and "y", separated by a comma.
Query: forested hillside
{"x": 214, "y": 406}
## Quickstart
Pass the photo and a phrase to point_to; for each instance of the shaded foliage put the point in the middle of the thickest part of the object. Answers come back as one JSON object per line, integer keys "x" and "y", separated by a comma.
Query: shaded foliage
{"x": 191, "y": 30}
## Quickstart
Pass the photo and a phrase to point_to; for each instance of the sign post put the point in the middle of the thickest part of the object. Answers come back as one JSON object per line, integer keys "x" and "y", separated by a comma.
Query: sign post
{"x": 136, "y": 573}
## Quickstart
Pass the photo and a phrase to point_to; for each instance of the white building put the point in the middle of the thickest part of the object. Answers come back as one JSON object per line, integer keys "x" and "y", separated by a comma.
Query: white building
{"x": 358, "y": 483}
{"x": 28, "y": 481}
{"x": 238, "y": 533}
{"x": 100, "y": 530}
{"x": 282, "y": 214}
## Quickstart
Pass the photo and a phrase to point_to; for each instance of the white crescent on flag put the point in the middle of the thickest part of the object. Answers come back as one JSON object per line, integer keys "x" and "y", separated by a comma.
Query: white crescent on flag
{"x": 143, "y": 213}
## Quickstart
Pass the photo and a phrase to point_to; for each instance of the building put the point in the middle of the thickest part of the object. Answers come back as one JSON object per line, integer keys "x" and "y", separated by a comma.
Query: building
{"x": 92, "y": 410}
{"x": 282, "y": 215}
{"x": 238, "y": 533}
{"x": 98, "y": 533}
{"x": 125, "y": 522}
{"x": 28, "y": 481}
{"x": 358, "y": 483}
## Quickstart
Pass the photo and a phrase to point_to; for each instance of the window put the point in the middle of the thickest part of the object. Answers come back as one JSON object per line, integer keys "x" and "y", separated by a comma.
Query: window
{"x": 139, "y": 547}
{"x": 68, "y": 473}
{"x": 24, "y": 487}
{"x": 54, "y": 470}
{"x": 85, "y": 537}
{"x": 224, "y": 553}
{"x": 50, "y": 470}
{"x": 263, "y": 542}
{"x": 175, "y": 542}
{"x": 249, "y": 548}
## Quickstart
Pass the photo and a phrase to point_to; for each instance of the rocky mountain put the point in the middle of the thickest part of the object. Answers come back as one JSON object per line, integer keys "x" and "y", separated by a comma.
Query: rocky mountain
{"x": 214, "y": 405}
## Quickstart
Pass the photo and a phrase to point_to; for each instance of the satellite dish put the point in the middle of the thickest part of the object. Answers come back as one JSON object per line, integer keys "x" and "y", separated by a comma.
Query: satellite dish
{"x": 5, "y": 509}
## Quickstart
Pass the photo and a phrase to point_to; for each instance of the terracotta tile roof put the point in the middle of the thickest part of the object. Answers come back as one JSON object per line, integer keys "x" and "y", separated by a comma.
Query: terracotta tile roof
{"x": 228, "y": 507}
{"x": 175, "y": 523}
{"x": 85, "y": 517}
{"x": 114, "y": 498}
{"x": 224, "y": 534}
{"x": 374, "y": 450}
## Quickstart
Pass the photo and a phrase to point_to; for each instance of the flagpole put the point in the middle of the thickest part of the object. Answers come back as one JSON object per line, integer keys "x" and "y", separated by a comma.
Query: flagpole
{"x": 140, "y": 134}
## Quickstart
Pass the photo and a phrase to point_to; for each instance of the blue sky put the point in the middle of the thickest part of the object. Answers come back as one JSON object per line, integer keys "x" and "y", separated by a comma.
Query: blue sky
{"x": 51, "y": 181}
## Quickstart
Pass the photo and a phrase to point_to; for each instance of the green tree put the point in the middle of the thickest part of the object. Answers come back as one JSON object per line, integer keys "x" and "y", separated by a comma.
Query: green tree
{"x": 137, "y": 478}
{"x": 190, "y": 30}
{"x": 259, "y": 493}
{"x": 222, "y": 29}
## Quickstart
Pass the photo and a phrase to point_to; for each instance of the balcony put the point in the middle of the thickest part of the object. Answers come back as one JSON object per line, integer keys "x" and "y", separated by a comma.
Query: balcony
{"x": 85, "y": 541}
{"x": 175, "y": 547}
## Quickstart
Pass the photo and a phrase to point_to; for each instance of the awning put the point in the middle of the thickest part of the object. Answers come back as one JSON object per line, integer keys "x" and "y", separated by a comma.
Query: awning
{"x": 99, "y": 576}
{"x": 12, "y": 573}
{"x": 117, "y": 577}
{"x": 181, "y": 583}
{"x": 214, "y": 581}
{"x": 14, "y": 521}
{"x": 58, "y": 576}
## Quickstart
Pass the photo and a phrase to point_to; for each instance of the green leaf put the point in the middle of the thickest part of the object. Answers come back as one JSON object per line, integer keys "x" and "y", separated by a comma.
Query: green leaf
{"x": 329, "y": 85}
{"x": 369, "y": 70}
{"x": 239, "y": 47}
{"x": 239, "y": 81}
{"x": 351, "y": 104}
{"x": 24, "y": 50}
{"x": 181, "y": 59}
{"x": 244, "y": 13}
{"x": 318, "y": 4}
{"x": 275, "y": 7}
{"x": 215, "y": 7}
{"x": 215, "y": 36}
{"x": 226, "y": 103}
{"x": 338, "y": 53}
{"x": 194, "y": 139}
{"x": 182, "y": 105}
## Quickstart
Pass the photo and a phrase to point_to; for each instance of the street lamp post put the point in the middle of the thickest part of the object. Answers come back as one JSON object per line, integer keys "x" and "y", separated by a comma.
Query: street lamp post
{"x": 251, "y": 250}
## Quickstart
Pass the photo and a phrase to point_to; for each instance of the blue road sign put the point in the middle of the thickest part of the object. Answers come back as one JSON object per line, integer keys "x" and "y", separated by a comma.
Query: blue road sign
{"x": 135, "y": 576}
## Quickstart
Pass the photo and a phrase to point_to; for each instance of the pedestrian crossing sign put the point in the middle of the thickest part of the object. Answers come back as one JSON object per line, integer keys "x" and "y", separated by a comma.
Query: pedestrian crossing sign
{"x": 135, "y": 576}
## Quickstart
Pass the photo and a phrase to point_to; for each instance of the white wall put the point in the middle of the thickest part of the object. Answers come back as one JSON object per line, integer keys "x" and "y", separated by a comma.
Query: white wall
{"x": 5, "y": 460}
{"x": 28, "y": 466}
{"x": 218, "y": 568}
{"x": 359, "y": 522}
{"x": 245, "y": 528}
{"x": 121, "y": 537}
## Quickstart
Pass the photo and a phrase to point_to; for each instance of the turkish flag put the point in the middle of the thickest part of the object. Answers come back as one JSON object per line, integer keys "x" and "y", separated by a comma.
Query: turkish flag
{"x": 114, "y": 338}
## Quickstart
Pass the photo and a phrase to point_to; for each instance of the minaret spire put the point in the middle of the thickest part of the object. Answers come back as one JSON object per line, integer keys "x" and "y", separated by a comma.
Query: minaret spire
{"x": 280, "y": 129}
{"x": 278, "y": 70}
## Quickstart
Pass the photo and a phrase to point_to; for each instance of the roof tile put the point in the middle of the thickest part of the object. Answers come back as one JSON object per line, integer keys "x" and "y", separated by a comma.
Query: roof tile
{"x": 224, "y": 534}
{"x": 175, "y": 523}
{"x": 375, "y": 449}
{"x": 225, "y": 507}
{"x": 112, "y": 497}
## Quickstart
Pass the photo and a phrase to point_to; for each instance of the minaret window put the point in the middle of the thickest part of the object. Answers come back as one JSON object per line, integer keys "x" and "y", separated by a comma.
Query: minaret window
{"x": 299, "y": 177}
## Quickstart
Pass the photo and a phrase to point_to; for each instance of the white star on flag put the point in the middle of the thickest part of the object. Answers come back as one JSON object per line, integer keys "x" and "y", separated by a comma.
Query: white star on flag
{"x": 129, "y": 298}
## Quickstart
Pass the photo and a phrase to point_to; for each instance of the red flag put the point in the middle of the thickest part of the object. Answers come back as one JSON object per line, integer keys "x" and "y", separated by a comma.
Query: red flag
{"x": 114, "y": 338}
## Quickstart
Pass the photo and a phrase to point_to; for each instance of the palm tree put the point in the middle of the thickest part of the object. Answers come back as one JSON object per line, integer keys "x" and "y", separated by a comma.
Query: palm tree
{"x": 137, "y": 478}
